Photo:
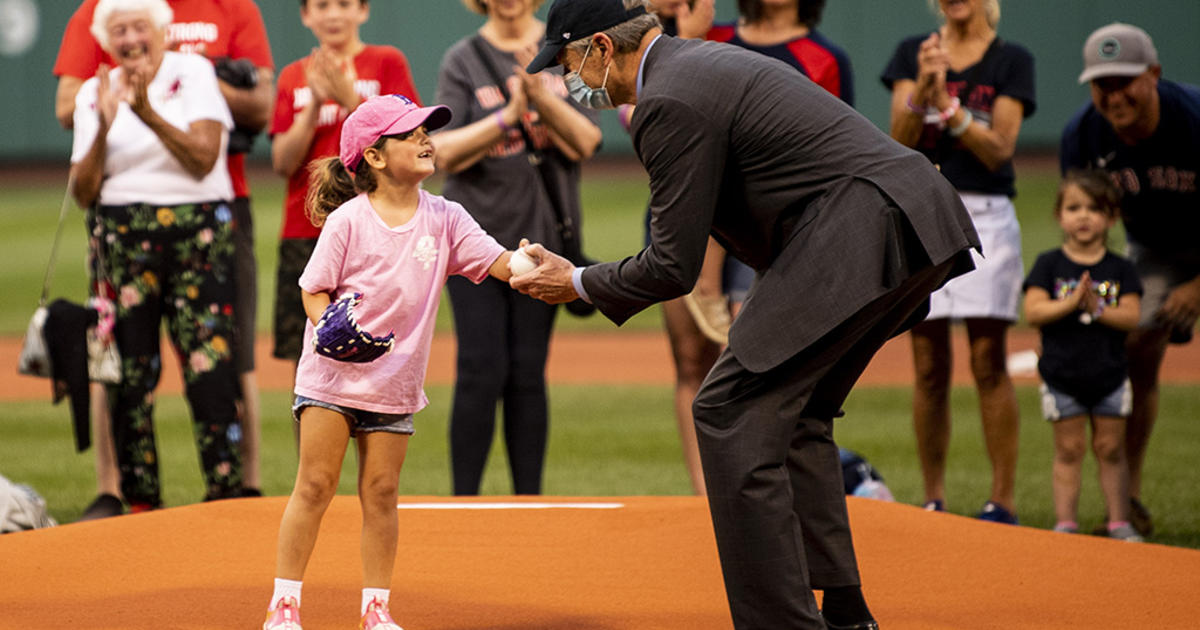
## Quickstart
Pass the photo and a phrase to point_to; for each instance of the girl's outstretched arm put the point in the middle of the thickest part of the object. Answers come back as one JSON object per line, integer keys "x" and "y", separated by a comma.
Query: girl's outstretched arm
{"x": 499, "y": 269}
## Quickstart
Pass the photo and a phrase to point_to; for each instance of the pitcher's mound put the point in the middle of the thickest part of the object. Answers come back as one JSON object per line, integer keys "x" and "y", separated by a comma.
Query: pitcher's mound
{"x": 556, "y": 563}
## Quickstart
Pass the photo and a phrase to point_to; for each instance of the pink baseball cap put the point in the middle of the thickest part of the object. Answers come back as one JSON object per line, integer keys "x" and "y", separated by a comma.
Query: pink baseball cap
{"x": 385, "y": 115}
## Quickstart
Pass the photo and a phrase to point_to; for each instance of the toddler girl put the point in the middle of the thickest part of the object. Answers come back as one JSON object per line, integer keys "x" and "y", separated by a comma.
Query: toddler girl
{"x": 1085, "y": 299}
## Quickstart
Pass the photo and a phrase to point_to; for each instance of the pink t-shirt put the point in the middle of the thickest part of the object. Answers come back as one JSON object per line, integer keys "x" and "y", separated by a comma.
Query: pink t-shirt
{"x": 400, "y": 271}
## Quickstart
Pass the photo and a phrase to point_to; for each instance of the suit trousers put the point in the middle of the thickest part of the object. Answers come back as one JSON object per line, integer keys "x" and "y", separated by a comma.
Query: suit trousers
{"x": 772, "y": 469}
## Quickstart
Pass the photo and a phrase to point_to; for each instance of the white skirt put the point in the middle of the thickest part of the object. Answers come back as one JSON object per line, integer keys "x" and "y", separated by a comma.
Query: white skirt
{"x": 993, "y": 289}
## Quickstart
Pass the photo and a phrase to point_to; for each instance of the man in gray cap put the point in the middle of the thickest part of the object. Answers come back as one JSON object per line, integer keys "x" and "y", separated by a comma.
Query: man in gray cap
{"x": 1143, "y": 130}
{"x": 849, "y": 233}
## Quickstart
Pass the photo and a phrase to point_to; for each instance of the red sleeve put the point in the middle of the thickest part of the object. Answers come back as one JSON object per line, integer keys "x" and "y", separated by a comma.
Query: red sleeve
{"x": 284, "y": 114}
{"x": 250, "y": 39}
{"x": 397, "y": 77}
{"x": 819, "y": 63}
{"x": 80, "y": 54}
{"x": 721, "y": 33}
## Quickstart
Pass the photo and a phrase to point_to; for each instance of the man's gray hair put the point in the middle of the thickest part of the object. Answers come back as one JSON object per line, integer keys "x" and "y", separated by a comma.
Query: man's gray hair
{"x": 626, "y": 36}
{"x": 160, "y": 13}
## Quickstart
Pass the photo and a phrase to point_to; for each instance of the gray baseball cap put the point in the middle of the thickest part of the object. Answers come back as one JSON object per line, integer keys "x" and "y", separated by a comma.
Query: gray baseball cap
{"x": 1117, "y": 50}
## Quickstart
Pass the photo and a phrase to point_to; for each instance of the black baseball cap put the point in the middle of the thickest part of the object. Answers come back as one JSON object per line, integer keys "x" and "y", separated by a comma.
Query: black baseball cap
{"x": 570, "y": 20}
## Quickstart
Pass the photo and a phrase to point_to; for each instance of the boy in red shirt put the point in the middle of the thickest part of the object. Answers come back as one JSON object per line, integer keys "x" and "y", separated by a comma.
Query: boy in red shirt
{"x": 315, "y": 94}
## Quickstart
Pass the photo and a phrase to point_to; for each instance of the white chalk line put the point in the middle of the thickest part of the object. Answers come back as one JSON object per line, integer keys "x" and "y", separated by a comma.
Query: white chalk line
{"x": 509, "y": 506}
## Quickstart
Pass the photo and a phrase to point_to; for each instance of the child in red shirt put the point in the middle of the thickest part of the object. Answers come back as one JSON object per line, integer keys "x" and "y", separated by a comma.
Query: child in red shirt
{"x": 314, "y": 95}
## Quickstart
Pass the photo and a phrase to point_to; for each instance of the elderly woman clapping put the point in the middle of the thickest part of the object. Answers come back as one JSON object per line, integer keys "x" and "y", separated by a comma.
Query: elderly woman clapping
{"x": 148, "y": 162}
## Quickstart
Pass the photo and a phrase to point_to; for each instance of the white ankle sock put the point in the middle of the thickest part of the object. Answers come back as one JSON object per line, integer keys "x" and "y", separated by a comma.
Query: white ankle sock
{"x": 285, "y": 589}
{"x": 369, "y": 594}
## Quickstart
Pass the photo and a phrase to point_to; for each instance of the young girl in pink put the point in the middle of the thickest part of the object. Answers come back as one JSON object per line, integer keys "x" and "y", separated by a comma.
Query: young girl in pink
{"x": 390, "y": 245}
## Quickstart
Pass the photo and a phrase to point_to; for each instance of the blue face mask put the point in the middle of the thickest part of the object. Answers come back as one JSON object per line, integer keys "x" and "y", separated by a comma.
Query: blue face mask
{"x": 592, "y": 98}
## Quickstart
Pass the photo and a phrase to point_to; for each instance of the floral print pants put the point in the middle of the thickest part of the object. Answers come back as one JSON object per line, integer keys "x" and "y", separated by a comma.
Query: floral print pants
{"x": 173, "y": 263}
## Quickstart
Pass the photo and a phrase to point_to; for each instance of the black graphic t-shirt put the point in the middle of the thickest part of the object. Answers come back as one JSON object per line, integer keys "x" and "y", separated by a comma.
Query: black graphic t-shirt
{"x": 1007, "y": 72}
{"x": 1086, "y": 361}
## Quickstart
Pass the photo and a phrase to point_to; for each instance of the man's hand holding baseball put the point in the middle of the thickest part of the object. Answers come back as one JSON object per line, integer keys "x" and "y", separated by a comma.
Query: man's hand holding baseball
{"x": 551, "y": 280}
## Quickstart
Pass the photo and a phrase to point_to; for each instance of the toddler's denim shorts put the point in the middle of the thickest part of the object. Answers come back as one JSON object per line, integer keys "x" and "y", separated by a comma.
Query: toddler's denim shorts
{"x": 1057, "y": 405}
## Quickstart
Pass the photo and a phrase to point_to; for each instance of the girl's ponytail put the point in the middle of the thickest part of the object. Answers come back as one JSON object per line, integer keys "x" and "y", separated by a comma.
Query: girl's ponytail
{"x": 330, "y": 185}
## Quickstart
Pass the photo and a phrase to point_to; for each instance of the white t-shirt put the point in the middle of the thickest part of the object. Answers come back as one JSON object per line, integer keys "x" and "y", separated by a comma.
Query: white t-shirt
{"x": 138, "y": 168}
{"x": 400, "y": 272}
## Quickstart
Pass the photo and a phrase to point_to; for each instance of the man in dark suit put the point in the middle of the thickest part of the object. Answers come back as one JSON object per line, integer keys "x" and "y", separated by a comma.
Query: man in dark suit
{"x": 848, "y": 231}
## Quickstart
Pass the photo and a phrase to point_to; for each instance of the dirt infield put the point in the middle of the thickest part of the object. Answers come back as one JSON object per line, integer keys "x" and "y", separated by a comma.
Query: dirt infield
{"x": 555, "y": 563}
{"x": 617, "y": 357}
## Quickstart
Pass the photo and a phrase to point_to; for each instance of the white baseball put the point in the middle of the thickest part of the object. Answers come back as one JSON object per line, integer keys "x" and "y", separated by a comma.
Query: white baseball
{"x": 521, "y": 263}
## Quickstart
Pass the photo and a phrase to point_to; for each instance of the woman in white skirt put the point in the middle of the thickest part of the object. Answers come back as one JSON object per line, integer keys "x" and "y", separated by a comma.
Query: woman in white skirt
{"x": 959, "y": 96}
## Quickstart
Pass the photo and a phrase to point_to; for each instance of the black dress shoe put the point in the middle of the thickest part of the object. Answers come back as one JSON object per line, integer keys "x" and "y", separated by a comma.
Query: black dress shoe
{"x": 104, "y": 506}
{"x": 869, "y": 624}
{"x": 848, "y": 603}
{"x": 862, "y": 625}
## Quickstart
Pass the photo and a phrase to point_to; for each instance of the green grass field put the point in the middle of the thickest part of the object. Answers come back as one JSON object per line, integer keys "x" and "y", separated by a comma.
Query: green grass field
{"x": 605, "y": 440}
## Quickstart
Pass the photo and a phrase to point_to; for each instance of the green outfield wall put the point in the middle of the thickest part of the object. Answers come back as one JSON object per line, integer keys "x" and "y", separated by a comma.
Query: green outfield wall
{"x": 1053, "y": 30}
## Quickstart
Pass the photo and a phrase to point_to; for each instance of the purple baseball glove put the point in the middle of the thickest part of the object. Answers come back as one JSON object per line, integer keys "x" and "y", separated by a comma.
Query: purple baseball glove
{"x": 338, "y": 336}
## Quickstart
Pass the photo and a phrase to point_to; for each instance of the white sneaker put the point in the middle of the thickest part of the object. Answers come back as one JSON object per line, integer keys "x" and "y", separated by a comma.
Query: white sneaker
{"x": 377, "y": 617}
{"x": 1127, "y": 533}
{"x": 285, "y": 616}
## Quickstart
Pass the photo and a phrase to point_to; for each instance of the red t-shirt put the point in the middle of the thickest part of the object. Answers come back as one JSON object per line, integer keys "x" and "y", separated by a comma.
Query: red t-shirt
{"x": 379, "y": 70}
{"x": 217, "y": 28}
{"x": 812, "y": 54}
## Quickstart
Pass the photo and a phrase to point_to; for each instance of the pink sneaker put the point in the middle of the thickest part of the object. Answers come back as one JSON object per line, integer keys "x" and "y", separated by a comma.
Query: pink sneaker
{"x": 377, "y": 617}
{"x": 285, "y": 616}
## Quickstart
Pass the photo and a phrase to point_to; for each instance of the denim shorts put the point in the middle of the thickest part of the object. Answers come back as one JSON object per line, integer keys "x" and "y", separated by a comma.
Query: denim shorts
{"x": 1057, "y": 405}
{"x": 361, "y": 421}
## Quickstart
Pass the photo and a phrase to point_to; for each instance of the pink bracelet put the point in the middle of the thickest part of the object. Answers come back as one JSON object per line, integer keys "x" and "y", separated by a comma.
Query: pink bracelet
{"x": 505, "y": 127}
{"x": 931, "y": 116}
{"x": 949, "y": 112}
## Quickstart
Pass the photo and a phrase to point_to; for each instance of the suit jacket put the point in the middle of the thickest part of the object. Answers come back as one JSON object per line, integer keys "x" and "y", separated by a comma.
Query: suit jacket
{"x": 829, "y": 210}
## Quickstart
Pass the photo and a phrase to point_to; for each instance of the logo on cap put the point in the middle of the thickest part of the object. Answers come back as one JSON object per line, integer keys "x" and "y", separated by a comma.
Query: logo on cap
{"x": 567, "y": 35}
{"x": 1110, "y": 48}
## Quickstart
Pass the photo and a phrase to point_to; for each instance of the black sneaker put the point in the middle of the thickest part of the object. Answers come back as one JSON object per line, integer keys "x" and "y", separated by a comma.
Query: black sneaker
{"x": 104, "y": 506}
{"x": 997, "y": 513}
